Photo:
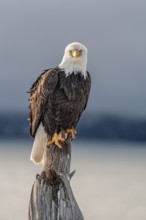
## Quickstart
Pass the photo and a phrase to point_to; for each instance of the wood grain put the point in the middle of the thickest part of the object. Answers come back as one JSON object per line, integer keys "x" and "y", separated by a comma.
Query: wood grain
{"x": 51, "y": 196}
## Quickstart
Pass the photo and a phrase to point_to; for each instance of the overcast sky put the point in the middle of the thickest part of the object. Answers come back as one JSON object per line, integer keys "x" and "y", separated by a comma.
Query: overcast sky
{"x": 34, "y": 33}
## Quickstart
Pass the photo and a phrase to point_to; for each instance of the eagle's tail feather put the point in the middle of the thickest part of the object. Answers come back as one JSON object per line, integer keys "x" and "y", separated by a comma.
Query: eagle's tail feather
{"x": 40, "y": 142}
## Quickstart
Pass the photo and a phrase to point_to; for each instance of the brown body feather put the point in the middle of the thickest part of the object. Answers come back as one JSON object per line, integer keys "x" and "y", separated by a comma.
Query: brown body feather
{"x": 57, "y": 100}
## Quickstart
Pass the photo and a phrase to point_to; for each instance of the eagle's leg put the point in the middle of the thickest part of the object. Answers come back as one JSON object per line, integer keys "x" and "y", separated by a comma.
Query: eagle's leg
{"x": 71, "y": 132}
{"x": 56, "y": 139}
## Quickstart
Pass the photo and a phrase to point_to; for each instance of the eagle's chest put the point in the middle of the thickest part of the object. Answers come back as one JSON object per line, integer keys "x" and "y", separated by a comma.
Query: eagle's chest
{"x": 70, "y": 92}
{"x": 73, "y": 86}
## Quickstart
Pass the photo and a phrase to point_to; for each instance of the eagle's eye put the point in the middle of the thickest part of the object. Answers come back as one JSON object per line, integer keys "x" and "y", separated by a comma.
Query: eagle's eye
{"x": 81, "y": 51}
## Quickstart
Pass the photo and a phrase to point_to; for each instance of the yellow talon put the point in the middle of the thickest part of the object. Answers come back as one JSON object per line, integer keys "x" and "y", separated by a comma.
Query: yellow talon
{"x": 55, "y": 140}
{"x": 72, "y": 132}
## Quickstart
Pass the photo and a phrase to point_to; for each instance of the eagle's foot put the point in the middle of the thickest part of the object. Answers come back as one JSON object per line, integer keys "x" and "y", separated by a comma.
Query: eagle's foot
{"x": 71, "y": 132}
{"x": 56, "y": 139}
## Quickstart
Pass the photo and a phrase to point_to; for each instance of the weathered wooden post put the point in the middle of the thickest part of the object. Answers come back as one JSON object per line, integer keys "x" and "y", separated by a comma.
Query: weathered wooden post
{"x": 51, "y": 196}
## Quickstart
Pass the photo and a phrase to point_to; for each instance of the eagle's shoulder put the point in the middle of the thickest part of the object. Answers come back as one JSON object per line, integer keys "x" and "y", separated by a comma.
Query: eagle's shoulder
{"x": 88, "y": 76}
{"x": 48, "y": 75}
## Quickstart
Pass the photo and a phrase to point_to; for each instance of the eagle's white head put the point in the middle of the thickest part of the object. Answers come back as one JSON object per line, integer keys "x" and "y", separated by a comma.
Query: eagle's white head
{"x": 74, "y": 59}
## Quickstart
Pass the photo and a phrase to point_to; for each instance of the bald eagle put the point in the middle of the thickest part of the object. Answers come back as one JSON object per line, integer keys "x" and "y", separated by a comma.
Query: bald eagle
{"x": 57, "y": 99}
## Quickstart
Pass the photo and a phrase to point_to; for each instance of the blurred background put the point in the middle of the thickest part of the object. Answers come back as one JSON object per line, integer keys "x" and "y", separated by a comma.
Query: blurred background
{"x": 109, "y": 152}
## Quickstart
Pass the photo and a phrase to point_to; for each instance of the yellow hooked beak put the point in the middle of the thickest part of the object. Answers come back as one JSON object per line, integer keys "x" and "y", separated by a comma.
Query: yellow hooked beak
{"x": 75, "y": 53}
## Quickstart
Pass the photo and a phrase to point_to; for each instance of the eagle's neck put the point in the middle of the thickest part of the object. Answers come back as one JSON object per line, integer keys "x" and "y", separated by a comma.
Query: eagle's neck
{"x": 70, "y": 66}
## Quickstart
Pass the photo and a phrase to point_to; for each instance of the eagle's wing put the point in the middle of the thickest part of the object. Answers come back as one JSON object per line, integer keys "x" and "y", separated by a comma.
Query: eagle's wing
{"x": 86, "y": 92}
{"x": 87, "y": 88}
{"x": 39, "y": 93}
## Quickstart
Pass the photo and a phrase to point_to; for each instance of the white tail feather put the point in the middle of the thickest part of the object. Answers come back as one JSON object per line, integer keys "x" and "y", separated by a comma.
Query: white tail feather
{"x": 40, "y": 142}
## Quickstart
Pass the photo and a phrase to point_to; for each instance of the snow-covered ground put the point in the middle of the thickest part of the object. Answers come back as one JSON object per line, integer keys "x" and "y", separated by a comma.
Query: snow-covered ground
{"x": 109, "y": 184}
